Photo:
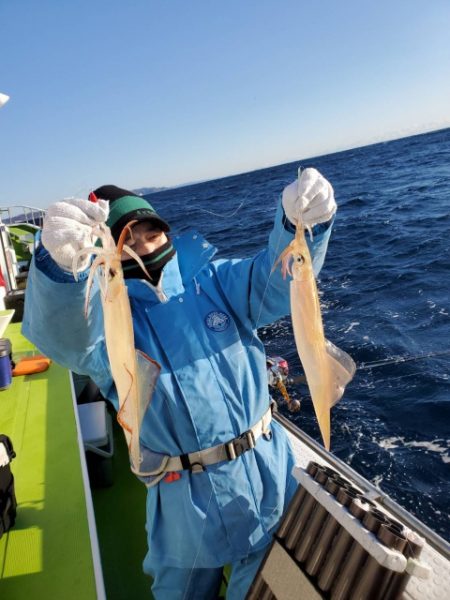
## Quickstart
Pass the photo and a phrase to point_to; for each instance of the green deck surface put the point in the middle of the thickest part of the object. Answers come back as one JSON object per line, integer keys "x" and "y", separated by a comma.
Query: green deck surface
{"x": 48, "y": 552}
{"x": 47, "y": 555}
{"x": 22, "y": 237}
{"x": 120, "y": 519}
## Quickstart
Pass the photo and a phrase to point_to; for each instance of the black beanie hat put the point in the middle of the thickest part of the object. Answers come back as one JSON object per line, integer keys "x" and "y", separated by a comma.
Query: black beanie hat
{"x": 126, "y": 206}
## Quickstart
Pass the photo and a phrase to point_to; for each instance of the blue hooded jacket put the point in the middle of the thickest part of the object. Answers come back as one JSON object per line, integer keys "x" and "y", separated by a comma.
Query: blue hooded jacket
{"x": 212, "y": 387}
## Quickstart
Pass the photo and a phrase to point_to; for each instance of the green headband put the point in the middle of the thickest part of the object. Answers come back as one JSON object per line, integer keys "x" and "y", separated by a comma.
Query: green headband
{"x": 129, "y": 204}
{"x": 130, "y": 208}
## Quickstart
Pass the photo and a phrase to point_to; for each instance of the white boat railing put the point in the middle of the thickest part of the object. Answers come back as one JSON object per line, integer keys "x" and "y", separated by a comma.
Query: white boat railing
{"x": 371, "y": 491}
{"x": 21, "y": 214}
{"x": 15, "y": 215}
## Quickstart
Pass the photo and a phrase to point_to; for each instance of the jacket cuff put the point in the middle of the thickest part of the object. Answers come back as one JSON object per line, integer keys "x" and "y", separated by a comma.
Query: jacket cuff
{"x": 318, "y": 229}
{"x": 45, "y": 263}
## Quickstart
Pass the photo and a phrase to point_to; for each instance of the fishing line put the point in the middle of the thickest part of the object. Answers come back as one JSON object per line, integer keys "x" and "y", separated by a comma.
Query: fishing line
{"x": 277, "y": 253}
{"x": 300, "y": 379}
{"x": 199, "y": 544}
{"x": 220, "y": 215}
{"x": 375, "y": 383}
{"x": 399, "y": 359}
{"x": 83, "y": 191}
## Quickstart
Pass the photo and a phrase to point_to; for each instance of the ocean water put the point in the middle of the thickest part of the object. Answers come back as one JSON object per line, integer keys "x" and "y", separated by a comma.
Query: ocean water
{"x": 385, "y": 295}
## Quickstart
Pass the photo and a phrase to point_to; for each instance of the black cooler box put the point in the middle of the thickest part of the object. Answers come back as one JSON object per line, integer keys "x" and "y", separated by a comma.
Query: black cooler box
{"x": 7, "y": 496}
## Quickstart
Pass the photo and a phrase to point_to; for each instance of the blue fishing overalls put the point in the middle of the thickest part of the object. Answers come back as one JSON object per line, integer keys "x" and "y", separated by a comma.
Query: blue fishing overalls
{"x": 212, "y": 388}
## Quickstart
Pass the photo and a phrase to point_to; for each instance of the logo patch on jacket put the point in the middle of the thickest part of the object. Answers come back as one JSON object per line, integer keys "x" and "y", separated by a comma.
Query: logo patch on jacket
{"x": 217, "y": 321}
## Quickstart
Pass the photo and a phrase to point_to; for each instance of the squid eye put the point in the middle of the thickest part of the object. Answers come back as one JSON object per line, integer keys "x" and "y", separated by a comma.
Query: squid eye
{"x": 299, "y": 259}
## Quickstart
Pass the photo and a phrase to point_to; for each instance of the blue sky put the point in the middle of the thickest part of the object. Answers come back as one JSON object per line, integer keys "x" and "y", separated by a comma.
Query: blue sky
{"x": 159, "y": 93}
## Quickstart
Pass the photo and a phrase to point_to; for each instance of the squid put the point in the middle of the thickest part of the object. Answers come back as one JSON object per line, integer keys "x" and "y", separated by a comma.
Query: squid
{"x": 134, "y": 373}
{"x": 327, "y": 368}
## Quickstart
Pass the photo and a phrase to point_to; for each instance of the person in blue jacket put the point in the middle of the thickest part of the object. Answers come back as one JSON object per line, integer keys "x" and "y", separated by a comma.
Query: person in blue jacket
{"x": 218, "y": 468}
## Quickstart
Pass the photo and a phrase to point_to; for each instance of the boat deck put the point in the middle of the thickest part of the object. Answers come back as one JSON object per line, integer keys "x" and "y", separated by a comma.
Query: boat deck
{"x": 50, "y": 552}
{"x": 120, "y": 519}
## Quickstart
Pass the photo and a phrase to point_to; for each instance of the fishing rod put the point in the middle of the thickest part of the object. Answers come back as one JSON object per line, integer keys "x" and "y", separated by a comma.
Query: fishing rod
{"x": 364, "y": 366}
{"x": 399, "y": 359}
{"x": 278, "y": 372}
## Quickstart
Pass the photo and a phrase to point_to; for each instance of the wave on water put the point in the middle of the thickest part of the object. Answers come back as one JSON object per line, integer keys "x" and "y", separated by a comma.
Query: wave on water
{"x": 440, "y": 446}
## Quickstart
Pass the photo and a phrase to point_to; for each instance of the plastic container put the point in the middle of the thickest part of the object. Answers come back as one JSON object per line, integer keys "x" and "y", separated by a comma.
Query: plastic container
{"x": 5, "y": 364}
{"x": 16, "y": 300}
{"x": 97, "y": 434}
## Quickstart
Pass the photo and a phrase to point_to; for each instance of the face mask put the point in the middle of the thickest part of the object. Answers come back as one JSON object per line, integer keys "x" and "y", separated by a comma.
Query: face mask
{"x": 154, "y": 263}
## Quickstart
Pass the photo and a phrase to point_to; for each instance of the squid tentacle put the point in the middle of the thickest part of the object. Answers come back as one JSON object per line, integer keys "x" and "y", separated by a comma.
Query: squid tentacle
{"x": 96, "y": 250}
{"x": 137, "y": 258}
{"x": 98, "y": 261}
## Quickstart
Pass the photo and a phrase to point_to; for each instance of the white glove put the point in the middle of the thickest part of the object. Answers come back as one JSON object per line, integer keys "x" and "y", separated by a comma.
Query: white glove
{"x": 311, "y": 197}
{"x": 68, "y": 228}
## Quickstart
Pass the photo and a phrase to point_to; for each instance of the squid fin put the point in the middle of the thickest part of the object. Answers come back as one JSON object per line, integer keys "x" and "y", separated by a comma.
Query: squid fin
{"x": 342, "y": 367}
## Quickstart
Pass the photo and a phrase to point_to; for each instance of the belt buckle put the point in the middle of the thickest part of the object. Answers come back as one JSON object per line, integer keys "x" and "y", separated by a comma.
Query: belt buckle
{"x": 241, "y": 444}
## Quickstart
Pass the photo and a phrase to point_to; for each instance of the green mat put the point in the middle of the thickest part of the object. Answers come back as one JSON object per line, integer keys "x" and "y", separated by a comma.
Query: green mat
{"x": 48, "y": 552}
{"x": 22, "y": 238}
{"x": 47, "y": 555}
{"x": 120, "y": 518}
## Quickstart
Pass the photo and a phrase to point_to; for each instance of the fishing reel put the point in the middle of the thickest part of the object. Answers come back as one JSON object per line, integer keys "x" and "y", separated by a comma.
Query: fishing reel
{"x": 278, "y": 377}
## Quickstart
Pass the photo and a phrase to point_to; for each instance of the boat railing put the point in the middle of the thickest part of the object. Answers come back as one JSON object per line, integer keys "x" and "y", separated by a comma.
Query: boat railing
{"x": 371, "y": 491}
{"x": 17, "y": 226}
{"x": 22, "y": 214}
